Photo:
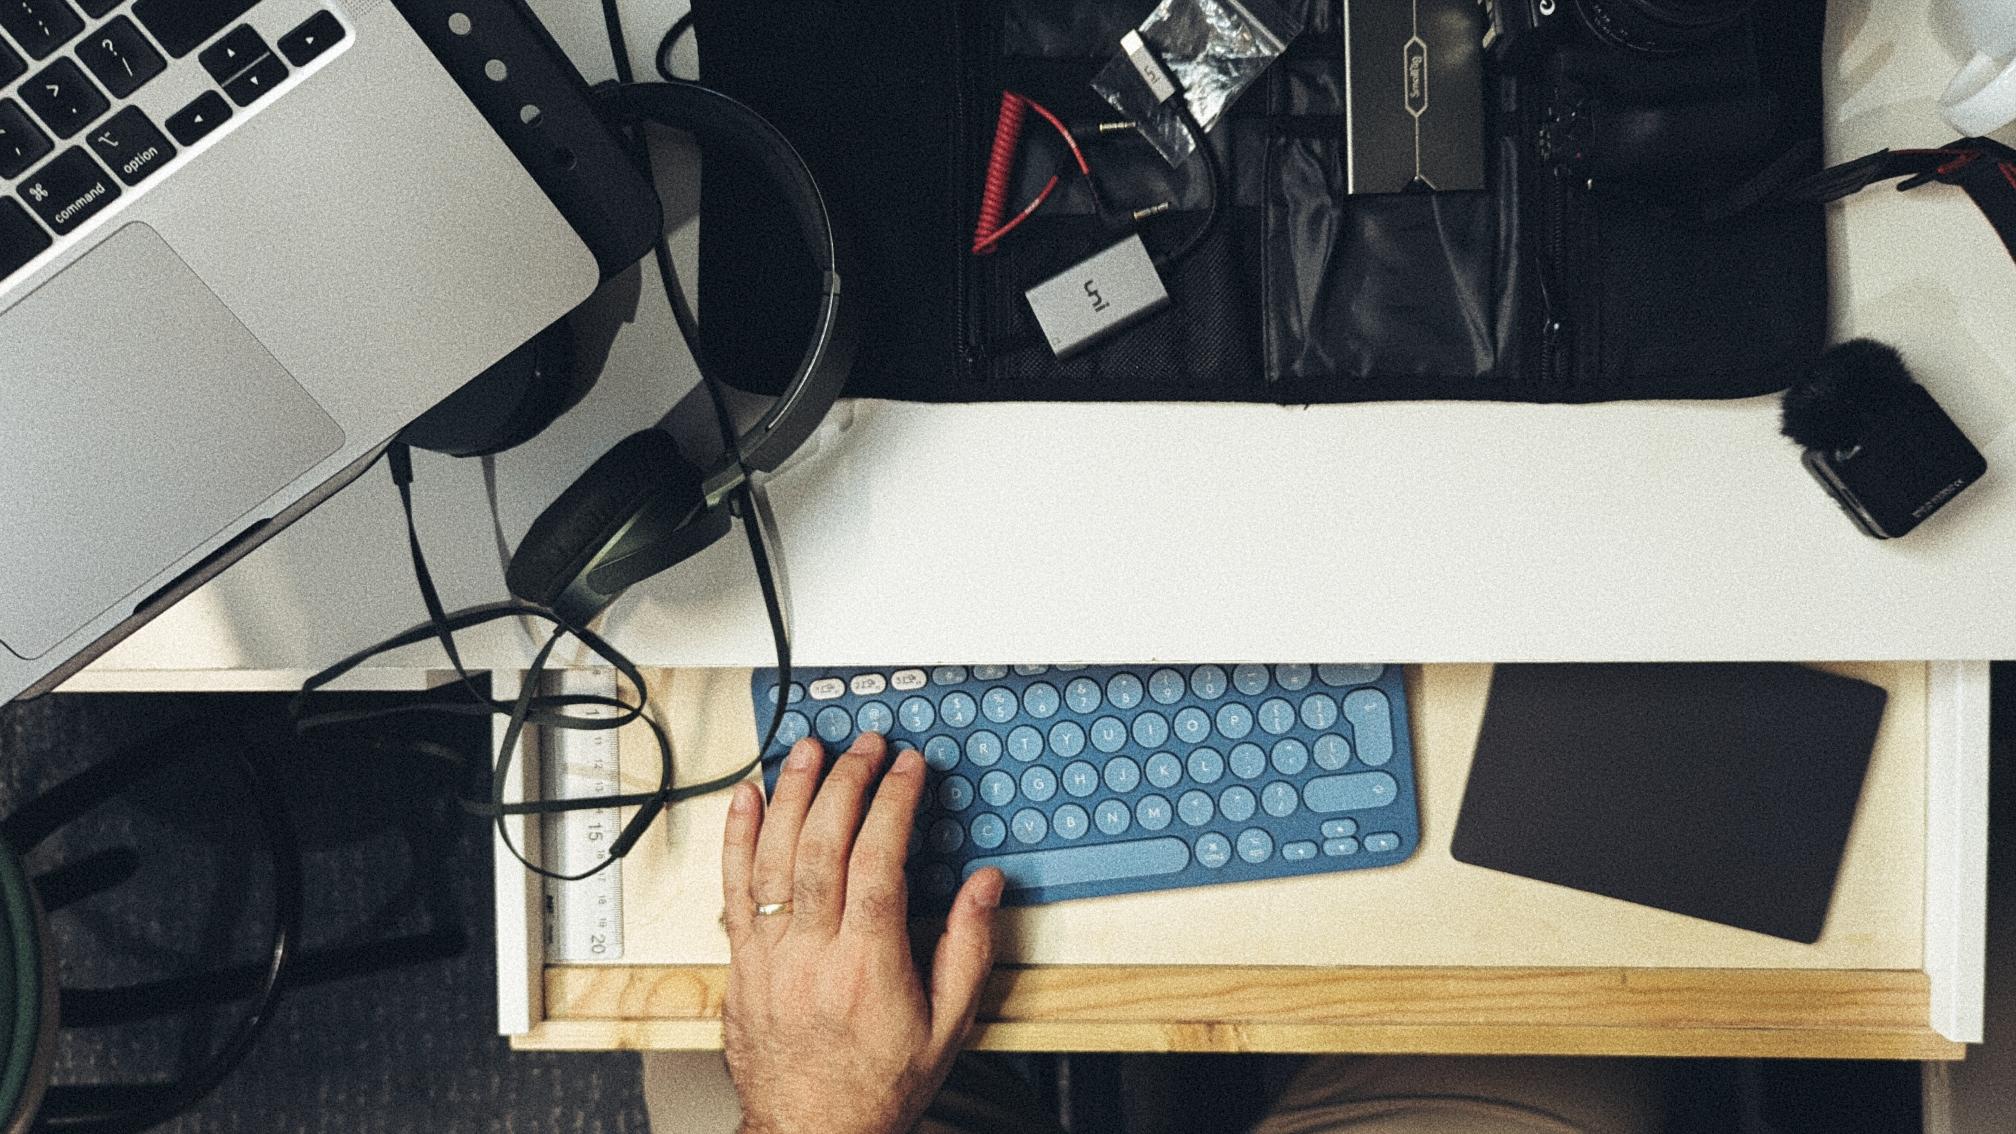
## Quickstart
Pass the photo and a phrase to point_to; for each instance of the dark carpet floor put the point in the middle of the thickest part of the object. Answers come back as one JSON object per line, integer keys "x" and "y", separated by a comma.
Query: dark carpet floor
{"x": 387, "y": 855}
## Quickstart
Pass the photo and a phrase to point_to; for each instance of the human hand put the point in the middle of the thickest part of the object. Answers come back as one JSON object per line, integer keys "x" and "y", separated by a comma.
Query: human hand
{"x": 829, "y": 1028}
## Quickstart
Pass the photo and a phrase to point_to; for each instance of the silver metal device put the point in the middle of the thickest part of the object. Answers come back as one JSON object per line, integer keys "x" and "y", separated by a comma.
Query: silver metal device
{"x": 206, "y": 354}
{"x": 1098, "y": 296}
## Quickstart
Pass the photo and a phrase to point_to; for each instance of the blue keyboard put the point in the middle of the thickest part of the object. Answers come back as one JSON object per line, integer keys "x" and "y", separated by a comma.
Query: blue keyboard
{"x": 1081, "y": 781}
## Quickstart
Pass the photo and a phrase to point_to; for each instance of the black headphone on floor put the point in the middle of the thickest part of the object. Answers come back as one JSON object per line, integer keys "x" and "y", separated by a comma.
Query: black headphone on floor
{"x": 643, "y": 507}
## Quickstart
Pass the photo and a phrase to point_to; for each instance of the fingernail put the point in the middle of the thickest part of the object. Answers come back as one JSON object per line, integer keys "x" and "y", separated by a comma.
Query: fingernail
{"x": 744, "y": 799}
{"x": 988, "y": 894}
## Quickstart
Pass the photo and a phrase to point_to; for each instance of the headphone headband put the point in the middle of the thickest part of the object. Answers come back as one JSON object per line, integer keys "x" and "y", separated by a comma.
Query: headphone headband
{"x": 719, "y": 120}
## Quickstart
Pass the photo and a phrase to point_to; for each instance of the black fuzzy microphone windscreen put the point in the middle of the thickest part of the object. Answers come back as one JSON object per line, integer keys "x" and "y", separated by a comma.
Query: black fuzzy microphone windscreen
{"x": 1845, "y": 392}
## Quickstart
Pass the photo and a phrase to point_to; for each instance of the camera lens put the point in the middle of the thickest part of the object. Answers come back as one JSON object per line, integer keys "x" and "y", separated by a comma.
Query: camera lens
{"x": 1659, "y": 27}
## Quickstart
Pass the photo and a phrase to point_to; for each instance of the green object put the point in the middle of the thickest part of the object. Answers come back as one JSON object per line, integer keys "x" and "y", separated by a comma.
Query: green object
{"x": 20, "y": 985}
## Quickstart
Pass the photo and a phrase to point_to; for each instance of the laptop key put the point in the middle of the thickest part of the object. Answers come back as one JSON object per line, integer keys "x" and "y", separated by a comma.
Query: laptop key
{"x": 21, "y": 239}
{"x": 121, "y": 57}
{"x": 182, "y": 26}
{"x": 97, "y": 8}
{"x": 41, "y": 26}
{"x": 12, "y": 66}
{"x": 22, "y": 143}
{"x": 194, "y": 122}
{"x": 131, "y": 145}
{"x": 233, "y": 53}
{"x": 317, "y": 34}
{"x": 259, "y": 78}
{"x": 63, "y": 97}
{"x": 69, "y": 191}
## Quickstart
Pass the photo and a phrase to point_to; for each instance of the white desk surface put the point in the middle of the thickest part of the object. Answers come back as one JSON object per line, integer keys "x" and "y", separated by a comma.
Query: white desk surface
{"x": 1132, "y": 532}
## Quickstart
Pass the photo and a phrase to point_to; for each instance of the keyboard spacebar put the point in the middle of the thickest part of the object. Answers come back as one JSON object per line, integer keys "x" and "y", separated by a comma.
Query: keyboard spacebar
{"x": 1096, "y": 862}
{"x": 183, "y": 25}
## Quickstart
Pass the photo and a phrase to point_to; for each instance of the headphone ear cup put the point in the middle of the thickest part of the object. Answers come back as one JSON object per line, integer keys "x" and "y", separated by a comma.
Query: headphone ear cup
{"x": 508, "y": 404}
{"x": 640, "y": 470}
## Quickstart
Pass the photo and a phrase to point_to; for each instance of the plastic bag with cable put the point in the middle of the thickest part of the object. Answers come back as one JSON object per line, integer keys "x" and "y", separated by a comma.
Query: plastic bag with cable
{"x": 1212, "y": 49}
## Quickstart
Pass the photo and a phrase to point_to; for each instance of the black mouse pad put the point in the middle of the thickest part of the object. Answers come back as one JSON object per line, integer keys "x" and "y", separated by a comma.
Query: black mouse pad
{"x": 1721, "y": 791}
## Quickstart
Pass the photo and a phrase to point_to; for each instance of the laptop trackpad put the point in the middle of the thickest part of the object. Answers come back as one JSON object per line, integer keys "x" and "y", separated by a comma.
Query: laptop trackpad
{"x": 138, "y": 418}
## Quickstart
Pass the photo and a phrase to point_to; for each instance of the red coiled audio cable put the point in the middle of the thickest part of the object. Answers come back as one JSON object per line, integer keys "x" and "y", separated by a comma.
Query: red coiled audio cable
{"x": 989, "y": 229}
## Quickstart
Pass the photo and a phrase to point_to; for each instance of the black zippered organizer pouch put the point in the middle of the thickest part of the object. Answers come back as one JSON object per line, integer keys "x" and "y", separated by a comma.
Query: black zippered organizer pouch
{"x": 1614, "y": 253}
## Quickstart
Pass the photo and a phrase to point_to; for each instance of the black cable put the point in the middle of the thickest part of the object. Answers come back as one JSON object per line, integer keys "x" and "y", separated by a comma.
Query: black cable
{"x": 671, "y": 39}
{"x": 1217, "y": 175}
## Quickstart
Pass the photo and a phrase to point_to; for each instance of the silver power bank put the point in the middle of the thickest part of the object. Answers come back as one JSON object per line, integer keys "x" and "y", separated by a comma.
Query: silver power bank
{"x": 1098, "y": 296}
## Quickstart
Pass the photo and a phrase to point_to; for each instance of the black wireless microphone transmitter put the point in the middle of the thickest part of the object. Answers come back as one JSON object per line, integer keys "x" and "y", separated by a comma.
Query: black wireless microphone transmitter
{"x": 1877, "y": 441}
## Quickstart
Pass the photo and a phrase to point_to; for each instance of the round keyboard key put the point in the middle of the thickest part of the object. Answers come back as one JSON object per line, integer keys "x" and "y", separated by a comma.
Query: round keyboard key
{"x": 998, "y": 704}
{"x": 1208, "y": 682}
{"x": 793, "y": 728}
{"x": 988, "y": 830}
{"x": 1279, "y": 799}
{"x": 874, "y": 716}
{"x": 946, "y": 836}
{"x": 1319, "y": 711}
{"x": 1293, "y": 678}
{"x": 997, "y": 788}
{"x": 1213, "y": 851}
{"x": 1195, "y": 808}
{"x": 942, "y": 753}
{"x": 989, "y": 672}
{"x": 1029, "y": 826}
{"x": 1255, "y": 845}
{"x": 1290, "y": 756}
{"x": 1123, "y": 774}
{"x": 1040, "y": 700}
{"x": 983, "y": 748}
{"x": 937, "y": 880}
{"x": 1382, "y": 842}
{"x": 1250, "y": 679}
{"x": 1067, "y": 739}
{"x": 1234, "y": 720}
{"x": 1332, "y": 752}
{"x": 1276, "y": 716}
{"x": 1070, "y": 822}
{"x": 1152, "y": 812}
{"x": 1082, "y": 695}
{"x": 1164, "y": 769}
{"x": 948, "y": 675}
{"x": 1166, "y": 686}
{"x": 1237, "y": 803}
{"x": 1025, "y": 743}
{"x": 1206, "y": 765}
{"x": 1301, "y": 850}
{"x": 1123, "y": 690}
{"x": 1193, "y": 725}
{"x": 917, "y": 714}
{"x": 1112, "y": 817}
{"x": 1080, "y": 779}
{"x": 1339, "y": 675}
{"x": 1039, "y": 783}
{"x": 1151, "y": 729}
{"x": 1108, "y": 734}
{"x": 958, "y": 709}
{"x": 1248, "y": 761}
{"x": 834, "y": 724}
{"x": 955, "y": 793}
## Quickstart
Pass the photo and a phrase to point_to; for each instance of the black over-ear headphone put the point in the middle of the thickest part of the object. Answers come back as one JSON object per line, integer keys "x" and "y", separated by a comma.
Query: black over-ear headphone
{"x": 643, "y": 507}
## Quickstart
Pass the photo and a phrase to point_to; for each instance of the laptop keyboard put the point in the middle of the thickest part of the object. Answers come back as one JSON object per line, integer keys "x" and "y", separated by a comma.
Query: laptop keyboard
{"x": 1082, "y": 781}
{"x": 99, "y": 98}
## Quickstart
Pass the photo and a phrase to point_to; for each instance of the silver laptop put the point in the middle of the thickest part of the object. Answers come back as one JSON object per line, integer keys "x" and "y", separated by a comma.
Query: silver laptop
{"x": 242, "y": 243}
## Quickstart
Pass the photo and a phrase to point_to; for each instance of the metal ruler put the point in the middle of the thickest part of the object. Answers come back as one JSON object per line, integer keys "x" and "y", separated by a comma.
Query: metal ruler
{"x": 584, "y": 919}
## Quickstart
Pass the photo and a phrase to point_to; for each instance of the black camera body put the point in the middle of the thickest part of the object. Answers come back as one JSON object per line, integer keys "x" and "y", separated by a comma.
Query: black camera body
{"x": 1646, "y": 27}
{"x": 1877, "y": 441}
